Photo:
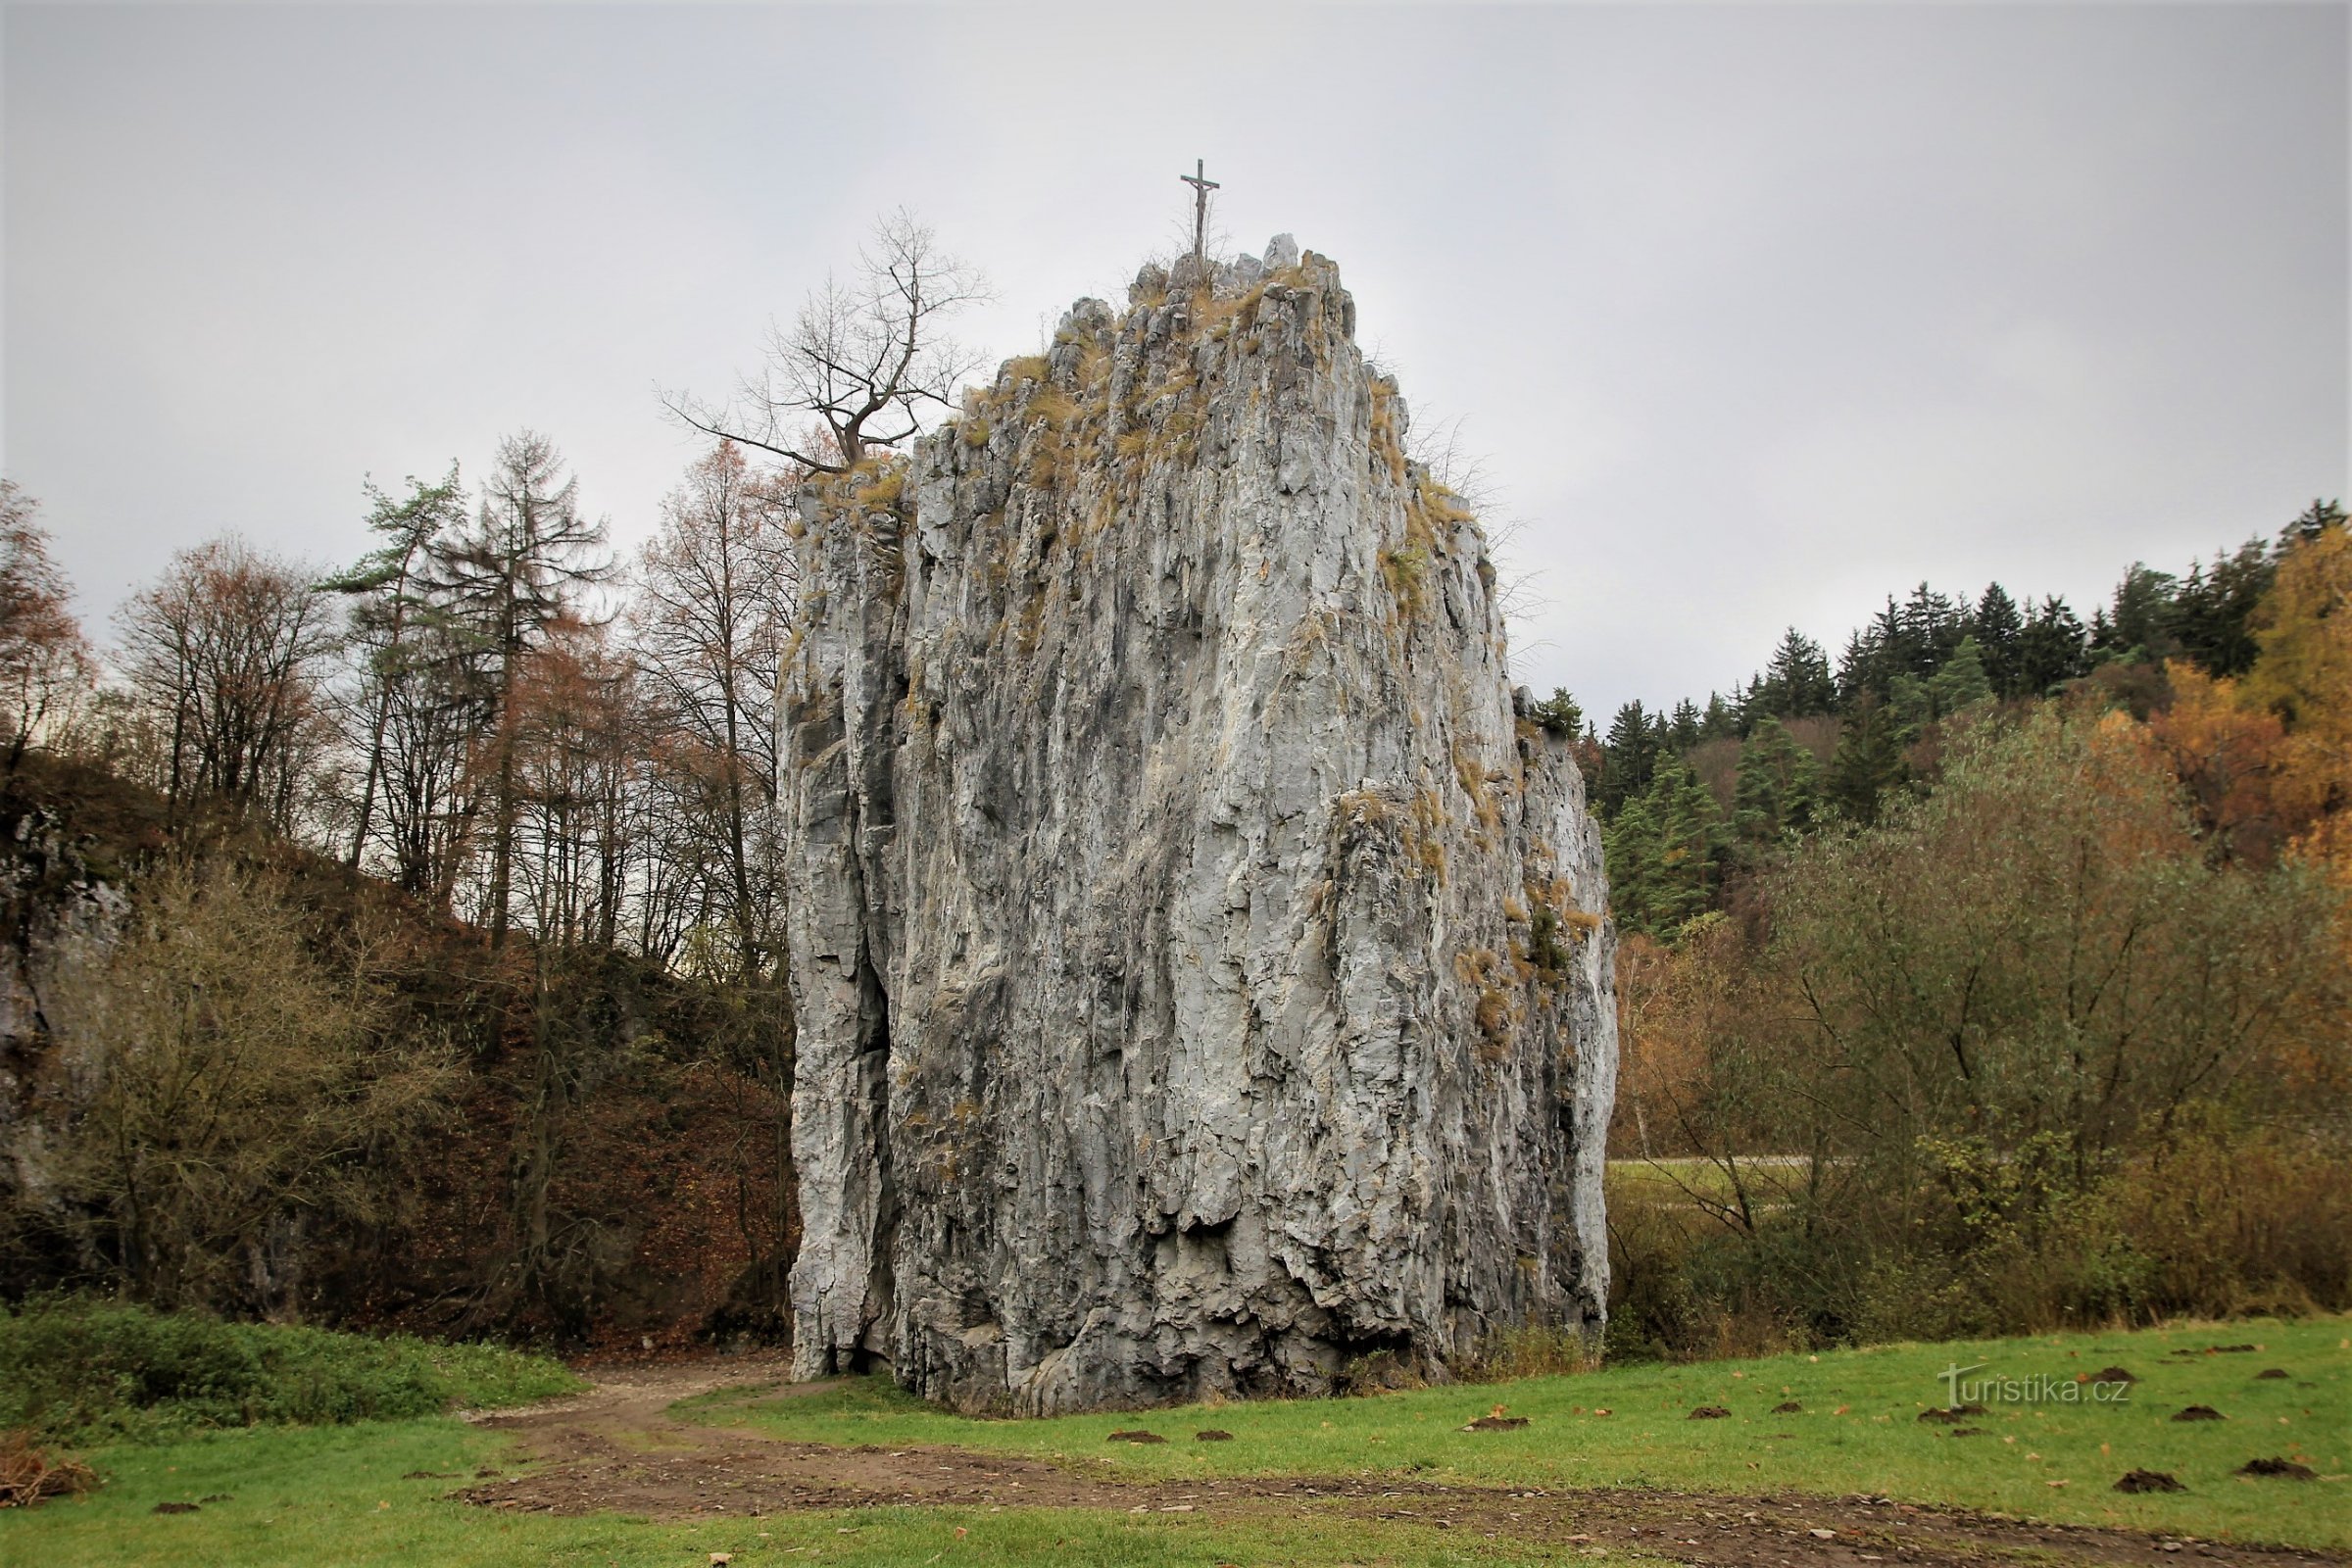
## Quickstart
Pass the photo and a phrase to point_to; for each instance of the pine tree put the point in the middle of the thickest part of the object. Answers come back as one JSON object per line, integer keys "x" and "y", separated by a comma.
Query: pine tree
{"x": 1778, "y": 787}
{"x": 1868, "y": 761}
{"x": 1629, "y": 757}
{"x": 1666, "y": 850}
{"x": 2000, "y": 630}
{"x": 2052, "y": 649}
{"x": 1961, "y": 683}
{"x": 391, "y": 598}
{"x": 1795, "y": 684}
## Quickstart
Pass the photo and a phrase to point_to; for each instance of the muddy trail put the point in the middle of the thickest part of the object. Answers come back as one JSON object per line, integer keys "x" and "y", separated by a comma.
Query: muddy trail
{"x": 616, "y": 1449}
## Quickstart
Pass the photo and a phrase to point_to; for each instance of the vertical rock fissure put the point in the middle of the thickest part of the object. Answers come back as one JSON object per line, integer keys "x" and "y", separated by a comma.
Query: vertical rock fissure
{"x": 874, "y": 1078}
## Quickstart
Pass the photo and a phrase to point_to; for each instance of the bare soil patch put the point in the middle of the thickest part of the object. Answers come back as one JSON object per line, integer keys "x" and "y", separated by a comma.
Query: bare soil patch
{"x": 616, "y": 1449}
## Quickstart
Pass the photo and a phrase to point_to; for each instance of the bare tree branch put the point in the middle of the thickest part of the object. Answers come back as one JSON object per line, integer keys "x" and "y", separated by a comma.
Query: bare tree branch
{"x": 853, "y": 352}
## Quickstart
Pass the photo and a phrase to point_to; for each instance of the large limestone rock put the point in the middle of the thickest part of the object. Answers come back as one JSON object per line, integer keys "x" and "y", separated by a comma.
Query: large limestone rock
{"x": 1200, "y": 957}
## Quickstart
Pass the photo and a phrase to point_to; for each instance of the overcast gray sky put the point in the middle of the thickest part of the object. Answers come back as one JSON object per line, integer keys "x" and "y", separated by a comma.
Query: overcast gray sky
{"x": 1756, "y": 312}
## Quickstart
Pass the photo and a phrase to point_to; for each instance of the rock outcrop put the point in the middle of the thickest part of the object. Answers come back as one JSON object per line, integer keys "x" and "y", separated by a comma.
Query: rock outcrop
{"x": 1200, "y": 951}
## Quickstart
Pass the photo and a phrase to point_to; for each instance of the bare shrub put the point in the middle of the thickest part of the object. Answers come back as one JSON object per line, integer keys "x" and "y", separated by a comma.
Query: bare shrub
{"x": 222, "y": 1086}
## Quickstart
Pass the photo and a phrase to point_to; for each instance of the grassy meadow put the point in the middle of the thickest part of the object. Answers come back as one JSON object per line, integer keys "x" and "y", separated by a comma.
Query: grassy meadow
{"x": 340, "y": 1494}
{"x": 337, "y": 1497}
{"x": 1859, "y": 1430}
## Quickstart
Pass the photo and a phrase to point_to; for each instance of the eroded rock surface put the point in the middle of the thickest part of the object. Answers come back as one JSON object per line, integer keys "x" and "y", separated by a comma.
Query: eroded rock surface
{"x": 1199, "y": 951}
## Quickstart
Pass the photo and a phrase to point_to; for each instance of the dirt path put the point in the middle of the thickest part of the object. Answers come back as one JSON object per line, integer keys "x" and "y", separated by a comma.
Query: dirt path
{"x": 616, "y": 1448}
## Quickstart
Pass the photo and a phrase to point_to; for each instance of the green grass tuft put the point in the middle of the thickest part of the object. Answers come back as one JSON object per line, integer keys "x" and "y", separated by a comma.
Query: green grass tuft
{"x": 82, "y": 1370}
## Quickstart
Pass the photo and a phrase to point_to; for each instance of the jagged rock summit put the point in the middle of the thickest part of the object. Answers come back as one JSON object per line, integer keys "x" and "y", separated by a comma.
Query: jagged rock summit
{"x": 1200, "y": 954}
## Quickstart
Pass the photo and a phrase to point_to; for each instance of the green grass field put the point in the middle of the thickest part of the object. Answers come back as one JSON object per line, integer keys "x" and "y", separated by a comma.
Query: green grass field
{"x": 1678, "y": 1178}
{"x": 335, "y": 1497}
{"x": 1859, "y": 1431}
{"x": 335, "y": 1494}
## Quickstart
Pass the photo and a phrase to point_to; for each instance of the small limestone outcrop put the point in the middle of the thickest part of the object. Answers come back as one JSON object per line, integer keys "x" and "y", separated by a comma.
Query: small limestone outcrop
{"x": 1198, "y": 950}
{"x": 60, "y": 915}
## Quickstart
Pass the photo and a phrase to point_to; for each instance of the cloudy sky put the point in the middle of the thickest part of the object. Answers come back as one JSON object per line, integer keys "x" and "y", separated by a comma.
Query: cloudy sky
{"x": 1754, "y": 313}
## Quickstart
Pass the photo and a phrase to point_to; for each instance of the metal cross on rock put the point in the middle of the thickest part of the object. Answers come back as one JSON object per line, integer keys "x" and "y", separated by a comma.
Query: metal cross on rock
{"x": 1202, "y": 185}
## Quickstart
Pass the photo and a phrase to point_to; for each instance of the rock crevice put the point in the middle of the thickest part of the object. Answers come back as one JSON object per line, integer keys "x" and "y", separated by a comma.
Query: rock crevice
{"x": 1200, "y": 954}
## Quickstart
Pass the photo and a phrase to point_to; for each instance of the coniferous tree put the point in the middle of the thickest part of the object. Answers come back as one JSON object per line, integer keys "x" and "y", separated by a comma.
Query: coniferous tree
{"x": 1683, "y": 731}
{"x": 1961, "y": 683}
{"x": 2052, "y": 650}
{"x": 2313, "y": 521}
{"x": 1795, "y": 684}
{"x": 1561, "y": 715}
{"x": 390, "y": 588}
{"x": 1720, "y": 722}
{"x": 1630, "y": 755}
{"x": 1665, "y": 851}
{"x": 510, "y": 579}
{"x": 1931, "y": 627}
{"x": 1860, "y": 669}
{"x": 2138, "y": 626}
{"x": 2000, "y": 630}
{"x": 1778, "y": 787}
{"x": 1868, "y": 761}
{"x": 2213, "y": 613}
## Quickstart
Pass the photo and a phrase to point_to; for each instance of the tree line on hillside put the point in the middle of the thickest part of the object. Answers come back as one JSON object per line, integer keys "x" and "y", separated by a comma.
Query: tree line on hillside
{"x": 455, "y": 869}
{"x": 1691, "y": 794}
{"x": 1955, "y": 1000}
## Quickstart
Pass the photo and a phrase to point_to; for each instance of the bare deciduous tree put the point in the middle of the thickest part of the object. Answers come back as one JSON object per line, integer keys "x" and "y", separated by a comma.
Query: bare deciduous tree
{"x": 714, "y": 608}
{"x": 44, "y": 659}
{"x": 862, "y": 362}
{"x": 232, "y": 1082}
{"x": 225, "y": 650}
